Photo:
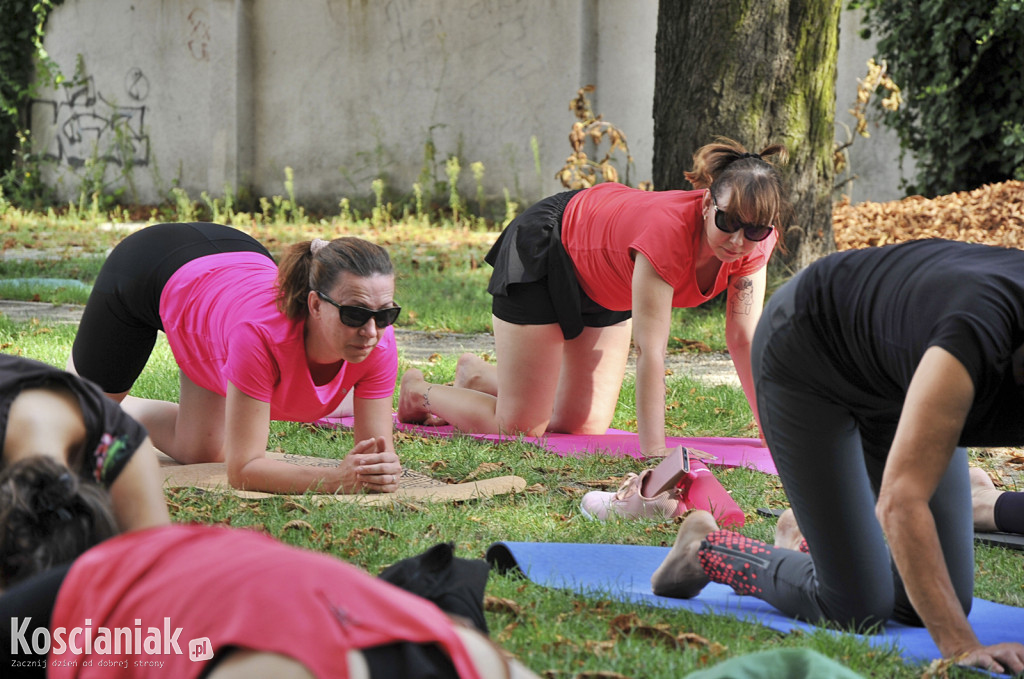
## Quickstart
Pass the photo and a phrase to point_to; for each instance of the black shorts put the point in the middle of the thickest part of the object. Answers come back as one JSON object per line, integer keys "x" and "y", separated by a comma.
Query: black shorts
{"x": 121, "y": 319}
{"x": 534, "y": 282}
{"x": 530, "y": 304}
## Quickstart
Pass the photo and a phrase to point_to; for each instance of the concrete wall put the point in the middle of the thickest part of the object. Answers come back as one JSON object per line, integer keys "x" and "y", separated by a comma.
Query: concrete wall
{"x": 875, "y": 161}
{"x": 215, "y": 93}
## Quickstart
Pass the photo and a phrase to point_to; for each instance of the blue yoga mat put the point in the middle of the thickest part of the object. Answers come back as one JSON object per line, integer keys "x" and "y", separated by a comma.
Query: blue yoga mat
{"x": 623, "y": 573}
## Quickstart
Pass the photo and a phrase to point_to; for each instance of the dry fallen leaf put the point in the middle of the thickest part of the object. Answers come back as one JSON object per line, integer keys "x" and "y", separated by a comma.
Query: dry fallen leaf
{"x": 630, "y": 624}
{"x": 692, "y": 345}
{"x": 496, "y": 604}
{"x": 692, "y": 639}
{"x": 357, "y": 534}
{"x": 610, "y": 482}
{"x": 506, "y": 633}
{"x": 483, "y": 468}
{"x": 939, "y": 668}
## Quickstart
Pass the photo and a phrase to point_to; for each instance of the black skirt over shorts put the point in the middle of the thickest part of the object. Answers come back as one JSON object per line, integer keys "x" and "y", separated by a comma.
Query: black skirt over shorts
{"x": 534, "y": 280}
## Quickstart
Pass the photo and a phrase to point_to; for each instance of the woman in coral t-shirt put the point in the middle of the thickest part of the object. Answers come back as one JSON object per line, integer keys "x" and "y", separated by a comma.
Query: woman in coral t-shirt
{"x": 580, "y": 274}
{"x": 188, "y": 601}
{"x": 253, "y": 343}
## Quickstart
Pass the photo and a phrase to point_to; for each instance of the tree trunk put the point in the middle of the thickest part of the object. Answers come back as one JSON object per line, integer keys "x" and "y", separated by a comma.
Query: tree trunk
{"x": 759, "y": 72}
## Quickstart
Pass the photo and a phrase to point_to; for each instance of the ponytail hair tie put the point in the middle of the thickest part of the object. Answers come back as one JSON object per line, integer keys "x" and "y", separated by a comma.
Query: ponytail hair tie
{"x": 316, "y": 245}
{"x": 57, "y": 502}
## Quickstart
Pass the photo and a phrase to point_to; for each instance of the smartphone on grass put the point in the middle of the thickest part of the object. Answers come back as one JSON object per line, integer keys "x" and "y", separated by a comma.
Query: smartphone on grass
{"x": 668, "y": 473}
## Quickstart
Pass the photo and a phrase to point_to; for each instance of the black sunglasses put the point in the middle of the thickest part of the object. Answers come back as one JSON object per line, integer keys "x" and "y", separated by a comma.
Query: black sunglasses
{"x": 357, "y": 316}
{"x": 752, "y": 232}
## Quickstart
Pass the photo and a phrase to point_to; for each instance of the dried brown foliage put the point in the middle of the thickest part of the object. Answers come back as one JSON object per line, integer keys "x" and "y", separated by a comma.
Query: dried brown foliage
{"x": 875, "y": 82}
{"x": 580, "y": 170}
{"x": 992, "y": 214}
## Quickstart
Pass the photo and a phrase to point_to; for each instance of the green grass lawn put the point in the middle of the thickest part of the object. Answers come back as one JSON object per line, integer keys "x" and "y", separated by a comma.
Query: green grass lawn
{"x": 442, "y": 285}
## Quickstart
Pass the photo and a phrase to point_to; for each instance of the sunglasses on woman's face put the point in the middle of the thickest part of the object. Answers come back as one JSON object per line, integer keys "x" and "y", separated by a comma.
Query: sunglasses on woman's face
{"x": 752, "y": 232}
{"x": 357, "y": 316}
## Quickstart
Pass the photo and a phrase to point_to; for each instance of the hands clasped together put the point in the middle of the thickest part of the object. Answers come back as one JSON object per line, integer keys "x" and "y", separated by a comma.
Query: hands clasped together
{"x": 370, "y": 467}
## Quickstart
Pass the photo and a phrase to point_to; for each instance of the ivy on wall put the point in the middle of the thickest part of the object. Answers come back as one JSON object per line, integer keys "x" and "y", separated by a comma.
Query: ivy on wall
{"x": 961, "y": 67}
{"x": 21, "y": 51}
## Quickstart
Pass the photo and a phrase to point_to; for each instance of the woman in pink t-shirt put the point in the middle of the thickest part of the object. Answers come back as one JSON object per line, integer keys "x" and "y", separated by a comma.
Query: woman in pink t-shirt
{"x": 571, "y": 271}
{"x": 253, "y": 343}
{"x": 190, "y": 601}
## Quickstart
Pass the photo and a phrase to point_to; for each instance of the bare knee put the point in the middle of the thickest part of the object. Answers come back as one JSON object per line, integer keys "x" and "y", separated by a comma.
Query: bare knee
{"x": 595, "y": 428}
{"x": 468, "y": 364}
{"x": 194, "y": 454}
{"x": 468, "y": 360}
{"x": 579, "y": 425}
{"x": 520, "y": 426}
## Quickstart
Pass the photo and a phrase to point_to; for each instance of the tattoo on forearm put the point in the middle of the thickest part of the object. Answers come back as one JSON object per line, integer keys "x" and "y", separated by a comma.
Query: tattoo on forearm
{"x": 742, "y": 297}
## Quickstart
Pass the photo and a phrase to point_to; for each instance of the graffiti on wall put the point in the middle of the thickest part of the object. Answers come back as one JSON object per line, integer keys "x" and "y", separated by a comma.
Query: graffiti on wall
{"x": 85, "y": 125}
{"x": 136, "y": 84}
{"x": 199, "y": 35}
{"x": 416, "y": 40}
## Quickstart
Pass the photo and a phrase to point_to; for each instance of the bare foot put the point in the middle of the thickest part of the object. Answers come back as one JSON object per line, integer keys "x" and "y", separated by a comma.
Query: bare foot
{"x": 680, "y": 575}
{"x": 473, "y": 372}
{"x": 411, "y": 406}
{"x": 787, "y": 532}
{"x": 983, "y": 499}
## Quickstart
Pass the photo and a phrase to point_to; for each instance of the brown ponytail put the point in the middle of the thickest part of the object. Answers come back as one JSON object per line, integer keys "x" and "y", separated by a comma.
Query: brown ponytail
{"x": 301, "y": 271}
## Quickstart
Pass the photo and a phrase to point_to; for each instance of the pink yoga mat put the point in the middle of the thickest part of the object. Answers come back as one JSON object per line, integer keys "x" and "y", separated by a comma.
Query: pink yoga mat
{"x": 728, "y": 452}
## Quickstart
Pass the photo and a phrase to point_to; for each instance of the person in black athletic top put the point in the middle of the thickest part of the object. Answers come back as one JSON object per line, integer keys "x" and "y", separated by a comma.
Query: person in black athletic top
{"x": 873, "y": 370}
{"x": 47, "y": 411}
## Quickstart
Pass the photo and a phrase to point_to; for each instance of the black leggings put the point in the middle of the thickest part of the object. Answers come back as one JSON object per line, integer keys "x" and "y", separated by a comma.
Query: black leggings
{"x": 830, "y": 462}
{"x": 121, "y": 319}
{"x": 1009, "y": 511}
